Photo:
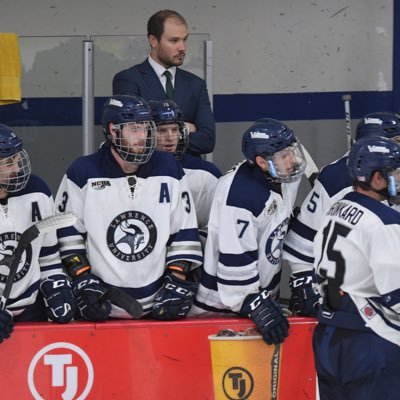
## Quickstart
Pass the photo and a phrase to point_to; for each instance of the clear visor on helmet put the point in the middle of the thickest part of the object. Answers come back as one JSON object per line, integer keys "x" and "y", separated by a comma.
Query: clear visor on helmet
{"x": 15, "y": 171}
{"x": 394, "y": 186}
{"x": 288, "y": 164}
{"x": 173, "y": 137}
{"x": 135, "y": 141}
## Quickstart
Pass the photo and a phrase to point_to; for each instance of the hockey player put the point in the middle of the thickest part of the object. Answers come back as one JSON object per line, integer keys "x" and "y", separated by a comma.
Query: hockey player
{"x": 249, "y": 218}
{"x": 25, "y": 199}
{"x": 173, "y": 137}
{"x": 332, "y": 184}
{"x": 357, "y": 250}
{"x": 137, "y": 227}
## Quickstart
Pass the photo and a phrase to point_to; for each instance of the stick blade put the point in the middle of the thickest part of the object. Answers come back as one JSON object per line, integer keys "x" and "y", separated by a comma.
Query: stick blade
{"x": 125, "y": 301}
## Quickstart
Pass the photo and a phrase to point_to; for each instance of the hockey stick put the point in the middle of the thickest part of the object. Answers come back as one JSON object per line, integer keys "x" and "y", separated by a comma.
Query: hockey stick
{"x": 123, "y": 300}
{"x": 346, "y": 98}
{"x": 53, "y": 222}
{"x": 311, "y": 171}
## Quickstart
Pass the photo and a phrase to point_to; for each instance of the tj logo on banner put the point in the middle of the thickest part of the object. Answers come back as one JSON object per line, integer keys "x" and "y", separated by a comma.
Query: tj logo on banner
{"x": 71, "y": 372}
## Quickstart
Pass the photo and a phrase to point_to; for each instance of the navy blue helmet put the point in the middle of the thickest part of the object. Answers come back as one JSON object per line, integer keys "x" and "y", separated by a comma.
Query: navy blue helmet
{"x": 133, "y": 135}
{"x": 15, "y": 166}
{"x": 267, "y": 138}
{"x": 371, "y": 154}
{"x": 384, "y": 124}
{"x": 10, "y": 143}
{"x": 172, "y": 131}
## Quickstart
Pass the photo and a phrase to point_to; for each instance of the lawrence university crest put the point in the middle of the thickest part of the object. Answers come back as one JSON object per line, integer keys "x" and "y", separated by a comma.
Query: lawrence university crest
{"x": 131, "y": 236}
{"x": 273, "y": 247}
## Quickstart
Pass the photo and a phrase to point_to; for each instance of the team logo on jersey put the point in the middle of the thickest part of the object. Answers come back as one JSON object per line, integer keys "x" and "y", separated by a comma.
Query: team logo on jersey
{"x": 272, "y": 208}
{"x": 131, "y": 236}
{"x": 100, "y": 185}
{"x": 8, "y": 243}
{"x": 273, "y": 247}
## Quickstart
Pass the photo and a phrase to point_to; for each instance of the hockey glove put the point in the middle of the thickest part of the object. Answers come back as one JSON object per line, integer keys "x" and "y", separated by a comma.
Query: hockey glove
{"x": 59, "y": 299}
{"x": 174, "y": 299}
{"x": 6, "y": 324}
{"x": 268, "y": 316}
{"x": 88, "y": 291}
{"x": 304, "y": 299}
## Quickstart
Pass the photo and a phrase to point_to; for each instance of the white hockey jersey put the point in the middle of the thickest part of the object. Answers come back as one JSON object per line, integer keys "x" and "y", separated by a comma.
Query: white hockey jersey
{"x": 332, "y": 183}
{"x": 357, "y": 251}
{"x": 248, "y": 222}
{"x": 41, "y": 258}
{"x": 130, "y": 226}
{"x": 202, "y": 177}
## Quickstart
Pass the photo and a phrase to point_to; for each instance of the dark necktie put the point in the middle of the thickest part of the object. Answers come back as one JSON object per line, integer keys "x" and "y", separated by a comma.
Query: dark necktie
{"x": 169, "y": 89}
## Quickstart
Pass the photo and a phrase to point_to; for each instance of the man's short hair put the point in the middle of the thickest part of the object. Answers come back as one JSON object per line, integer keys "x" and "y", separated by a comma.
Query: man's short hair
{"x": 155, "y": 24}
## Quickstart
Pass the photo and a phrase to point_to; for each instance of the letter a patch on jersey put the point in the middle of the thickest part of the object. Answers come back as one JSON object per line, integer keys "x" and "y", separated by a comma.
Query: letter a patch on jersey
{"x": 36, "y": 216}
{"x": 164, "y": 194}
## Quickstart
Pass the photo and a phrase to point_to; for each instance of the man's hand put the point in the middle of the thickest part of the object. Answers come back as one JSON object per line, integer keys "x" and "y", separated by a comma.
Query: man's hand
{"x": 268, "y": 316}
{"x": 304, "y": 299}
{"x": 174, "y": 299}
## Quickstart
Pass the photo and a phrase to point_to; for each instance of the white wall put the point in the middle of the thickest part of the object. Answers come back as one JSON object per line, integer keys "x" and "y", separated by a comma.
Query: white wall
{"x": 260, "y": 46}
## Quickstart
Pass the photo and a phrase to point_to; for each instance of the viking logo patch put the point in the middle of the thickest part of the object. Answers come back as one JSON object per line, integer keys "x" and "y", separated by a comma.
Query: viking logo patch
{"x": 273, "y": 247}
{"x": 8, "y": 243}
{"x": 131, "y": 236}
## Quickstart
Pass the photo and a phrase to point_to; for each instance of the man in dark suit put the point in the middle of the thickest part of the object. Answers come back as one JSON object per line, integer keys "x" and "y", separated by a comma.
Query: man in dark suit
{"x": 158, "y": 78}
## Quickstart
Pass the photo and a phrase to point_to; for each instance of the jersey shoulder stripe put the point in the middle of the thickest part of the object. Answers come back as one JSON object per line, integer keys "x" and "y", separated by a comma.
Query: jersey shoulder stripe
{"x": 191, "y": 162}
{"x": 249, "y": 189}
{"x": 387, "y": 215}
{"x": 35, "y": 185}
{"x": 102, "y": 164}
{"x": 335, "y": 177}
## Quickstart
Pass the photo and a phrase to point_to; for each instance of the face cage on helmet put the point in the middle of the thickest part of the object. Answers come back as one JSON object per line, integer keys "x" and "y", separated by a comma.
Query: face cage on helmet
{"x": 146, "y": 144}
{"x": 291, "y": 157}
{"x": 182, "y": 140}
{"x": 15, "y": 172}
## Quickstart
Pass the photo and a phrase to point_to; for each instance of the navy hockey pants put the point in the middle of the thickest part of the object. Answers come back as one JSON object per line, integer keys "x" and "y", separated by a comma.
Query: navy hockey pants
{"x": 355, "y": 365}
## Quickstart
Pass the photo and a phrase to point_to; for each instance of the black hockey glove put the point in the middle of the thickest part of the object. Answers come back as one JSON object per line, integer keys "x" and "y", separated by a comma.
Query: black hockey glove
{"x": 88, "y": 290}
{"x": 6, "y": 324}
{"x": 268, "y": 316}
{"x": 174, "y": 299}
{"x": 59, "y": 299}
{"x": 304, "y": 299}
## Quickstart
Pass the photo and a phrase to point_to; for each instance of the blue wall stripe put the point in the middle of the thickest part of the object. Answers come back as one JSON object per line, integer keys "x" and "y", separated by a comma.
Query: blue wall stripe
{"x": 67, "y": 111}
{"x": 297, "y": 106}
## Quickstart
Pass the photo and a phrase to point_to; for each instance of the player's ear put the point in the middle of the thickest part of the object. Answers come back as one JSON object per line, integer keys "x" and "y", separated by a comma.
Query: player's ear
{"x": 262, "y": 163}
{"x": 112, "y": 128}
{"x": 153, "y": 41}
{"x": 378, "y": 181}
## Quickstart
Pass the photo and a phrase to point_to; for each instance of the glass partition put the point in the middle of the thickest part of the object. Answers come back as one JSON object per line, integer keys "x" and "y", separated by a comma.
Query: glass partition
{"x": 115, "y": 53}
{"x": 49, "y": 117}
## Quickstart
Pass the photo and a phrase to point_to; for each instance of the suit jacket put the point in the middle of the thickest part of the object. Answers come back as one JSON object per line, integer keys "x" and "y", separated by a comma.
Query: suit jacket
{"x": 190, "y": 94}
